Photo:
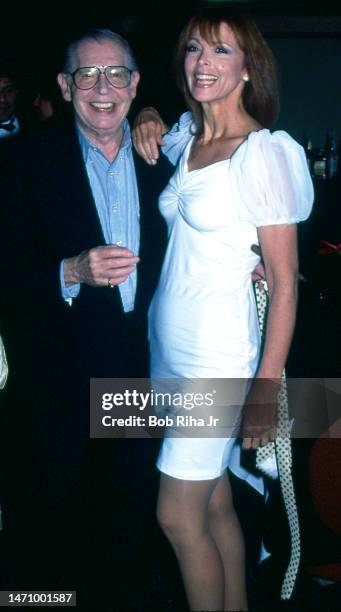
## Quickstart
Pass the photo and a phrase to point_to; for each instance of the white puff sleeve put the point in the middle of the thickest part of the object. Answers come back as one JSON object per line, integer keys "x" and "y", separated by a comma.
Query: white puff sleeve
{"x": 177, "y": 138}
{"x": 270, "y": 178}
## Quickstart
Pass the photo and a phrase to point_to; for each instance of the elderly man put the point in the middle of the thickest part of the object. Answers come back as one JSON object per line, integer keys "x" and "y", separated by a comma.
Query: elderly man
{"x": 77, "y": 279}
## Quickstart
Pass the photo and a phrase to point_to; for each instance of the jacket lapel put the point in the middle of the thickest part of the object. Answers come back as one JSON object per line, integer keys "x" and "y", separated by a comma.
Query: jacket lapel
{"x": 151, "y": 181}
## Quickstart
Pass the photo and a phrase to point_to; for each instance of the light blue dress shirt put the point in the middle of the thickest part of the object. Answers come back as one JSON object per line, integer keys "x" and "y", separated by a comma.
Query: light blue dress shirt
{"x": 114, "y": 189}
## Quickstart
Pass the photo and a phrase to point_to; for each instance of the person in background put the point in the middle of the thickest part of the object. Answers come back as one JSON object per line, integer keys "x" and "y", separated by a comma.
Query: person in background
{"x": 9, "y": 122}
{"x": 47, "y": 101}
{"x": 43, "y": 106}
{"x": 235, "y": 185}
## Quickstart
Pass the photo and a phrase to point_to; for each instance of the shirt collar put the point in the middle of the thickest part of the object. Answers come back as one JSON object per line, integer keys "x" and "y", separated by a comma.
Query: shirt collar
{"x": 5, "y": 134}
{"x": 87, "y": 146}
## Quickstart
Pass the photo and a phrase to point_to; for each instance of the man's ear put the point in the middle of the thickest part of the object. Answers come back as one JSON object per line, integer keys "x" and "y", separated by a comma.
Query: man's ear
{"x": 135, "y": 78}
{"x": 65, "y": 88}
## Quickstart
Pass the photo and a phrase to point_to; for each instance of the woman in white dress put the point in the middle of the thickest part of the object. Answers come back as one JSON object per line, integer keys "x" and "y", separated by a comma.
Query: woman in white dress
{"x": 235, "y": 185}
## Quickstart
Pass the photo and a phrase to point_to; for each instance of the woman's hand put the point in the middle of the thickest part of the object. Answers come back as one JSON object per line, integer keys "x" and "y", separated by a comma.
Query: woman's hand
{"x": 260, "y": 413}
{"x": 147, "y": 134}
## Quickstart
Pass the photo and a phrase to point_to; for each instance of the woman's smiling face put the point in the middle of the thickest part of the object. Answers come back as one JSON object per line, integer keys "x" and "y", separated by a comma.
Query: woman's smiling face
{"x": 214, "y": 69}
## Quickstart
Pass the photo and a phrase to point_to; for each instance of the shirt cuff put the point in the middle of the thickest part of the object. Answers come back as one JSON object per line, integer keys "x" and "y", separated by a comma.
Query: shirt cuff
{"x": 68, "y": 293}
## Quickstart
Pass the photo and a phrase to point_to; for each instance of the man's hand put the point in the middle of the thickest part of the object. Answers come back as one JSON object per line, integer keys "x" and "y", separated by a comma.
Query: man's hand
{"x": 260, "y": 413}
{"x": 258, "y": 273}
{"x": 147, "y": 134}
{"x": 100, "y": 267}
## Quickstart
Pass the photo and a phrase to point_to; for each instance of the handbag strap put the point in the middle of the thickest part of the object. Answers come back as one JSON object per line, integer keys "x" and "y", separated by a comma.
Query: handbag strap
{"x": 282, "y": 450}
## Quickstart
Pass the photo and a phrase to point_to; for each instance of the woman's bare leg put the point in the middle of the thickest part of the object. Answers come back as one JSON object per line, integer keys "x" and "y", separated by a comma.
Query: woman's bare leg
{"x": 187, "y": 512}
{"x": 228, "y": 536}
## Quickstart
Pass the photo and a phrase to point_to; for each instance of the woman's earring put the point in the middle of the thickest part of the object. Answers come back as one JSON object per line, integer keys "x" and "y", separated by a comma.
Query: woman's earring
{"x": 245, "y": 78}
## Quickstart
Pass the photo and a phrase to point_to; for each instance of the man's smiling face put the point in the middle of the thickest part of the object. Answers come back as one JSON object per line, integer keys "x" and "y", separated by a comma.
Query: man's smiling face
{"x": 102, "y": 109}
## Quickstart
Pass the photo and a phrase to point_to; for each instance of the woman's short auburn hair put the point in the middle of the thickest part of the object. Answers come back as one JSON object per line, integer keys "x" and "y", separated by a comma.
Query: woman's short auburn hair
{"x": 260, "y": 94}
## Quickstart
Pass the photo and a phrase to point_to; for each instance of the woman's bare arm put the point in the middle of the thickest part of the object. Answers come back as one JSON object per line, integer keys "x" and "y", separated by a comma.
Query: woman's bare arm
{"x": 279, "y": 249}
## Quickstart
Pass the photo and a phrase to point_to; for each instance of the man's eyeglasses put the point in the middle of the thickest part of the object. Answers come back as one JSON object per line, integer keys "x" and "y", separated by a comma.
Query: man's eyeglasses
{"x": 87, "y": 78}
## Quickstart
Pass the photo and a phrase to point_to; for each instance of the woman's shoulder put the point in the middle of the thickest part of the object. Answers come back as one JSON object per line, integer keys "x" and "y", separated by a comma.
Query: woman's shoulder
{"x": 271, "y": 175}
{"x": 176, "y": 140}
{"x": 279, "y": 139}
{"x": 270, "y": 151}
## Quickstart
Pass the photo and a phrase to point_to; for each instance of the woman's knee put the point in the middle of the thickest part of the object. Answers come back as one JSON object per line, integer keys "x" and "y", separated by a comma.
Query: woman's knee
{"x": 167, "y": 517}
{"x": 220, "y": 510}
{"x": 176, "y": 525}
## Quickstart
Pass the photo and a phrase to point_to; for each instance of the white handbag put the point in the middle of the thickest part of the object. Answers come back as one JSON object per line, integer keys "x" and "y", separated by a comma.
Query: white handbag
{"x": 3, "y": 365}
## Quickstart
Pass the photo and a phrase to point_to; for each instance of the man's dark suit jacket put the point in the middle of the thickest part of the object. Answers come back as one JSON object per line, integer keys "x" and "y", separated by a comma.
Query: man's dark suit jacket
{"x": 66, "y": 499}
{"x": 53, "y": 349}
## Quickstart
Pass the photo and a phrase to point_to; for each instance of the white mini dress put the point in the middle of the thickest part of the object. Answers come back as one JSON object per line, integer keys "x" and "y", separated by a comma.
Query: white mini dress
{"x": 203, "y": 319}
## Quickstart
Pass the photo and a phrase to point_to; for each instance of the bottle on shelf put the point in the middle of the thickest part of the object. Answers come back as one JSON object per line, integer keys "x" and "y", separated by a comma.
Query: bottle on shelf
{"x": 319, "y": 164}
{"x": 308, "y": 147}
{"x": 331, "y": 156}
{"x": 309, "y": 154}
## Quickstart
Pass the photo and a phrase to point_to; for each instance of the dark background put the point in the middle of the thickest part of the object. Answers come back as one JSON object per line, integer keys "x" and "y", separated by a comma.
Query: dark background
{"x": 306, "y": 40}
{"x": 305, "y": 37}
